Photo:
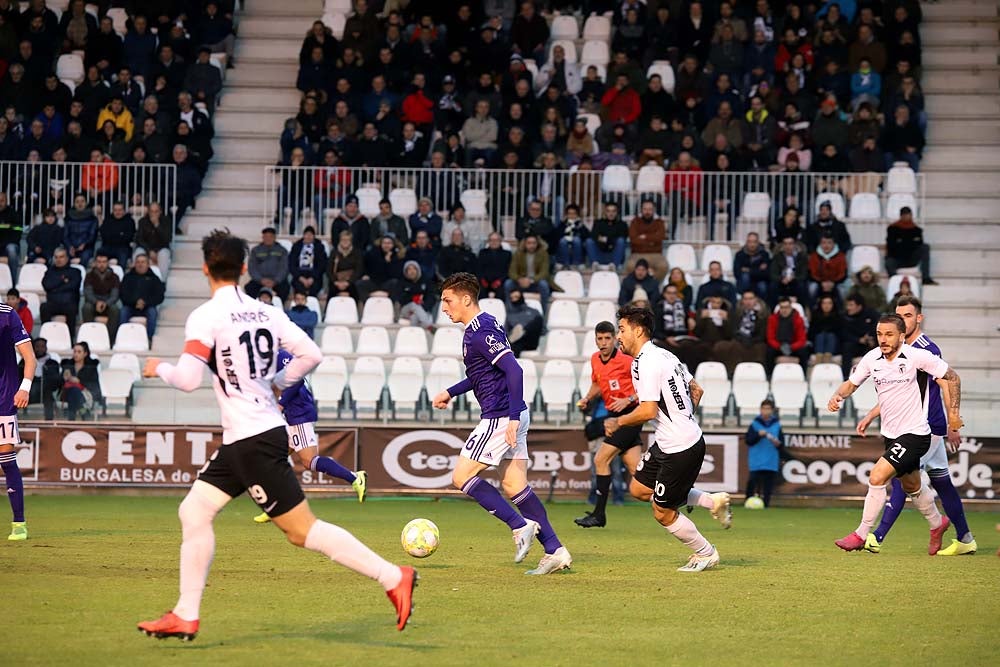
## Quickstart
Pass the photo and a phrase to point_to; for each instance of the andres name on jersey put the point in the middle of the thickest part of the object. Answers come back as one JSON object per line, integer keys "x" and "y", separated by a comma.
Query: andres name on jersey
{"x": 252, "y": 317}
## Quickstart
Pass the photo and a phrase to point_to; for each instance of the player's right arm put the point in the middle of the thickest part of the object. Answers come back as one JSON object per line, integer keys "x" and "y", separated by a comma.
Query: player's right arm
{"x": 851, "y": 384}
{"x": 646, "y": 381}
{"x": 442, "y": 400}
{"x": 592, "y": 393}
{"x": 868, "y": 419}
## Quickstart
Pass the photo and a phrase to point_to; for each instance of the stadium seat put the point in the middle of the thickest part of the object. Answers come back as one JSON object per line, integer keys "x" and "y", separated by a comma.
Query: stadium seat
{"x": 119, "y": 271}
{"x": 749, "y": 389}
{"x": 116, "y": 386}
{"x": 560, "y": 344}
{"x": 30, "y": 278}
{"x": 131, "y": 337}
{"x": 681, "y": 256}
{"x": 338, "y": 6}
{"x": 368, "y": 199}
{"x": 564, "y": 313}
{"x": 312, "y": 303}
{"x": 558, "y": 383}
{"x": 600, "y": 311}
{"x": 595, "y": 53}
{"x": 894, "y": 282}
{"x": 404, "y": 202}
{"x": 588, "y": 344}
{"x": 597, "y": 28}
{"x": 70, "y": 66}
{"x": 366, "y": 382}
{"x": 604, "y": 285}
{"x": 411, "y": 341}
{"x": 443, "y": 320}
{"x": 494, "y": 307}
{"x": 373, "y": 341}
{"x": 756, "y": 206}
{"x": 593, "y": 123}
{"x": 378, "y": 310}
{"x": 864, "y": 399}
{"x": 616, "y": 178}
{"x": 650, "y": 179}
{"x": 82, "y": 270}
{"x": 530, "y": 384}
{"x": 127, "y": 361}
{"x": 666, "y": 72}
{"x": 336, "y": 23}
{"x": 6, "y": 279}
{"x": 95, "y": 335}
{"x": 474, "y": 202}
{"x": 789, "y": 390}
{"x": 569, "y": 48}
{"x": 865, "y": 206}
{"x": 406, "y": 382}
{"x": 34, "y": 305}
{"x": 444, "y": 372}
{"x": 119, "y": 19}
{"x": 328, "y": 382}
{"x": 865, "y": 255}
{"x": 571, "y": 283}
{"x": 341, "y": 310}
{"x": 712, "y": 377}
{"x": 532, "y": 67}
{"x": 717, "y": 252}
{"x": 901, "y": 180}
{"x": 564, "y": 27}
{"x": 57, "y": 334}
{"x": 447, "y": 342}
{"x": 897, "y": 202}
{"x": 836, "y": 202}
{"x": 823, "y": 381}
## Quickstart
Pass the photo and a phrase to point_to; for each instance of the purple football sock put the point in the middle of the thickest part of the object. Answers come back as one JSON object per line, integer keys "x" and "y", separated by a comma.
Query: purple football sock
{"x": 15, "y": 487}
{"x": 490, "y": 500}
{"x": 952, "y": 504}
{"x": 531, "y": 507}
{"x": 891, "y": 511}
{"x": 328, "y": 466}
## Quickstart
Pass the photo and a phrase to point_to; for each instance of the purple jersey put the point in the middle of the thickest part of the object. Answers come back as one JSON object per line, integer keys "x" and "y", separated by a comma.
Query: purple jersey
{"x": 932, "y": 399}
{"x": 483, "y": 345}
{"x": 11, "y": 334}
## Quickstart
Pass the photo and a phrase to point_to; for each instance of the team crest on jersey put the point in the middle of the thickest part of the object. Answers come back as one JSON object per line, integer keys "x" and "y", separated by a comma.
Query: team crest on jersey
{"x": 494, "y": 343}
{"x": 902, "y": 369}
{"x": 615, "y": 386}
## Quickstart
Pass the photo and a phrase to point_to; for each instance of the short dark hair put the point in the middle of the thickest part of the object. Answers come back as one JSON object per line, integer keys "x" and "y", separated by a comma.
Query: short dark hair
{"x": 103, "y": 253}
{"x": 893, "y": 318}
{"x": 637, "y": 316}
{"x": 13, "y": 292}
{"x": 224, "y": 255}
{"x": 783, "y": 299}
{"x": 767, "y": 402}
{"x": 605, "y": 327}
{"x": 857, "y": 298}
{"x": 464, "y": 283}
{"x": 910, "y": 300}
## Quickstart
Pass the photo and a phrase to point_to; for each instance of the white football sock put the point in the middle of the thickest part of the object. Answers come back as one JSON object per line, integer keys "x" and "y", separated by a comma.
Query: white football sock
{"x": 341, "y": 547}
{"x": 874, "y": 502}
{"x": 197, "y": 511}
{"x": 685, "y": 531}
{"x": 698, "y": 498}
{"x": 923, "y": 500}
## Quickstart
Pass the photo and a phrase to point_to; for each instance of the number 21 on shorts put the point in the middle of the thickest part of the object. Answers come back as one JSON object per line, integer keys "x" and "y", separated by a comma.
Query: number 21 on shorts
{"x": 896, "y": 452}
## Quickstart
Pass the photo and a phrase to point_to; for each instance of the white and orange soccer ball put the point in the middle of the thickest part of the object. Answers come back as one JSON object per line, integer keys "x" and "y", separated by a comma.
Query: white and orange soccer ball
{"x": 420, "y": 538}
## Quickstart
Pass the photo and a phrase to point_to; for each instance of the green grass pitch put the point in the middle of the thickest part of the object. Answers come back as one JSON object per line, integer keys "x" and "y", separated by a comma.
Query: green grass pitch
{"x": 784, "y": 595}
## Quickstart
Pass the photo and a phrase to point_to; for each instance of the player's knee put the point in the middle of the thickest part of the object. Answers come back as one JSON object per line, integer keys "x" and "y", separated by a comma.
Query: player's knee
{"x": 458, "y": 479}
{"x": 664, "y": 515}
{"x": 296, "y": 537}
{"x": 640, "y": 491}
{"x": 879, "y": 478}
{"x": 306, "y": 460}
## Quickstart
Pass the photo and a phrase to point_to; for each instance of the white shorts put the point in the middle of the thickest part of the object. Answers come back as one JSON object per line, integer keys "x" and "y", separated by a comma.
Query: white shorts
{"x": 487, "y": 445}
{"x": 301, "y": 436}
{"x": 936, "y": 457}
{"x": 9, "y": 434}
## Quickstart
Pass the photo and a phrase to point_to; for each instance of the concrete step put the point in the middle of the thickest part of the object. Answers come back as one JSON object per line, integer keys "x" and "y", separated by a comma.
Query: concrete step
{"x": 960, "y": 209}
{"x": 947, "y": 34}
{"x": 286, "y": 49}
{"x": 285, "y": 8}
{"x": 963, "y": 132}
{"x": 277, "y": 74}
{"x": 197, "y": 225}
{"x": 263, "y": 99}
{"x": 225, "y": 173}
{"x": 983, "y": 325}
{"x": 945, "y": 295}
{"x": 265, "y": 149}
{"x": 965, "y": 56}
{"x": 950, "y": 184}
{"x": 970, "y": 261}
{"x": 250, "y": 120}
{"x": 962, "y": 158}
{"x": 975, "y": 106}
{"x": 285, "y": 26}
{"x": 962, "y": 351}
{"x": 941, "y": 82}
{"x": 956, "y": 10}
{"x": 228, "y": 203}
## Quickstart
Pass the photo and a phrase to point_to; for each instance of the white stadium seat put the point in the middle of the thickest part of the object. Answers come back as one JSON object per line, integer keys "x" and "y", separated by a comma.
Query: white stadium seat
{"x": 127, "y": 361}
{"x": 30, "y": 278}
{"x": 901, "y": 180}
{"x": 95, "y": 335}
{"x": 131, "y": 337}
{"x": 6, "y": 280}
{"x": 681, "y": 256}
{"x": 116, "y": 385}
{"x": 338, "y": 6}
{"x": 897, "y": 202}
{"x": 836, "y": 201}
{"x": 494, "y": 307}
{"x": 341, "y": 310}
{"x": 474, "y": 202}
{"x": 34, "y": 305}
{"x": 650, "y": 179}
{"x": 336, "y": 339}
{"x": 865, "y": 255}
{"x": 597, "y": 28}
{"x": 600, "y": 311}
{"x": 588, "y": 344}
{"x": 368, "y": 199}
{"x": 406, "y": 381}
{"x": 666, "y": 72}
{"x": 789, "y": 390}
{"x": 57, "y": 334}
{"x": 712, "y": 377}
{"x": 595, "y": 53}
{"x": 444, "y": 372}
{"x": 312, "y": 303}
{"x": 404, "y": 202}
{"x": 756, "y": 206}
{"x": 864, "y": 398}
{"x": 443, "y": 320}
{"x": 366, "y": 382}
{"x": 530, "y": 383}
{"x": 378, "y": 310}
{"x": 564, "y": 27}
{"x": 823, "y": 381}
{"x": 410, "y": 341}
{"x": 865, "y": 206}
{"x": 558, "y": 382}
{"x": 70, "y": 66}
{"x": 447, "y": 342}
{"x": 564, "y": 313}
{"x": 894, "y": 282}
{"x": 584, "y": 378}
{"x": 593, "y": 122}
{"x": 717, "y": 252}
{"x": 750, "y": 387}
{"x": 604, "y": 285}
{"x": 119, "y": 18}
{"x": 82, "y": 270}
{"x": 328, "y": 381}
{"x": 569, "y": 48}
{"x": 571, "y": 283}
{"x": 336, "y": 22}
{"x": 616, "y": 178}
{"x": 560, "y": 343}
{"x": 373, "y": 341}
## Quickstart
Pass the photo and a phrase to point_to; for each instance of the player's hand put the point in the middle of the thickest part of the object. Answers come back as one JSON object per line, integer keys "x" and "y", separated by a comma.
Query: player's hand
{"x": 442, "y": 400}
{"x": 835, "y": 402}
{"x": 863, "y": 426}
{"x": 610, "y": 426}
{"x": 149, "y": 370}
{"x": 511, "y": 436}
{"x": 21, "y": 399}
{"x": 619, "y": 405}
{"x": 954, "y": 439}
{"x": 582, "y": 404}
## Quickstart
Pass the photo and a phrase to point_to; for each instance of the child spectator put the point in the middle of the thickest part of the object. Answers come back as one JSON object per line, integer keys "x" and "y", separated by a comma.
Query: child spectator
{"x": 765, "y": 440}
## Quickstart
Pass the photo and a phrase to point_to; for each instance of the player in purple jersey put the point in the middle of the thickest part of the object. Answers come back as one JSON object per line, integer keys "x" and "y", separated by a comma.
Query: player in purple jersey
{"x": 14, "y": 389}
{"x": 299, "y": 407}
{"x": 501, "y": 439}
{"x": 935, "y": 461}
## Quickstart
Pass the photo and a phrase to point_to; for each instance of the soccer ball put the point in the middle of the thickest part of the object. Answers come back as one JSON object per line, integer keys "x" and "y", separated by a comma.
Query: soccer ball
{"x": 420, "y": 538}
{"x": 754, "y": 503}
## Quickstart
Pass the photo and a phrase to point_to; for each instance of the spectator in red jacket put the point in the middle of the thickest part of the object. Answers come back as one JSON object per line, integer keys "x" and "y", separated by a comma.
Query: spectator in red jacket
{"x": 20, "y": 306}
{"x": 827, "y": 270}
{"x": 786, "y": 335}
{"x": 621, "y": 103}
{"x": 417, "y": 108}
{"x": 682, "y": 183}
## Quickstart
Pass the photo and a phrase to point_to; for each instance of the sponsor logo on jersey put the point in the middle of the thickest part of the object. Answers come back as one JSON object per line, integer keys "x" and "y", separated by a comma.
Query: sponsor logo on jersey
{"x": 495, "y": 344}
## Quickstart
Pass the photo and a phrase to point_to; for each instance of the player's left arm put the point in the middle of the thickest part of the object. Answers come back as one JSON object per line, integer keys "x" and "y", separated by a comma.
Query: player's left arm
{"x": 951, "y": 394}
{"x": 28, "y": 355}
{"x": 696, "y": 393}
{"x": 187, "y": 373}
{"x": 646, "y": 381}
{"x": 514, "y": 375}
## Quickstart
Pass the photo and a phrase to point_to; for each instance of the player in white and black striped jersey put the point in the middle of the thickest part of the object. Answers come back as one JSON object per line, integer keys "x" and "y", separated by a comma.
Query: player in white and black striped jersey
{"x": 895, "y": 368}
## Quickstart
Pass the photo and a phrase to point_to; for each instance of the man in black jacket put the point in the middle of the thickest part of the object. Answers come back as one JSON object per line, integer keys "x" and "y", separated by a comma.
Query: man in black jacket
{"x": 752, "y": 267}
{"x": 606, "y": 244}
{"x": 826, "y": 224}
{"x": 383, "y": 268}
{"x": 457, "y": 257}
{"x": 11, "y": 230}
{"x": 117, "y": 234}
{"x": 62, "y": 290}
{"x": 141, "y": 293}
{"x": 904, "y": 247}
{"x": 307, "y": 263}
{"x": 857, "y": 332}
{"x": 48, "y": 378}
{"x": 494, "y": 264}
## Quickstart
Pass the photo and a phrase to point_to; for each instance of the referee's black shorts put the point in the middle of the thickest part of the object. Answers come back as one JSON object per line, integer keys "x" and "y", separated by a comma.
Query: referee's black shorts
{"x": 258, "y": 465}
{"x": 626, "y": 437}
